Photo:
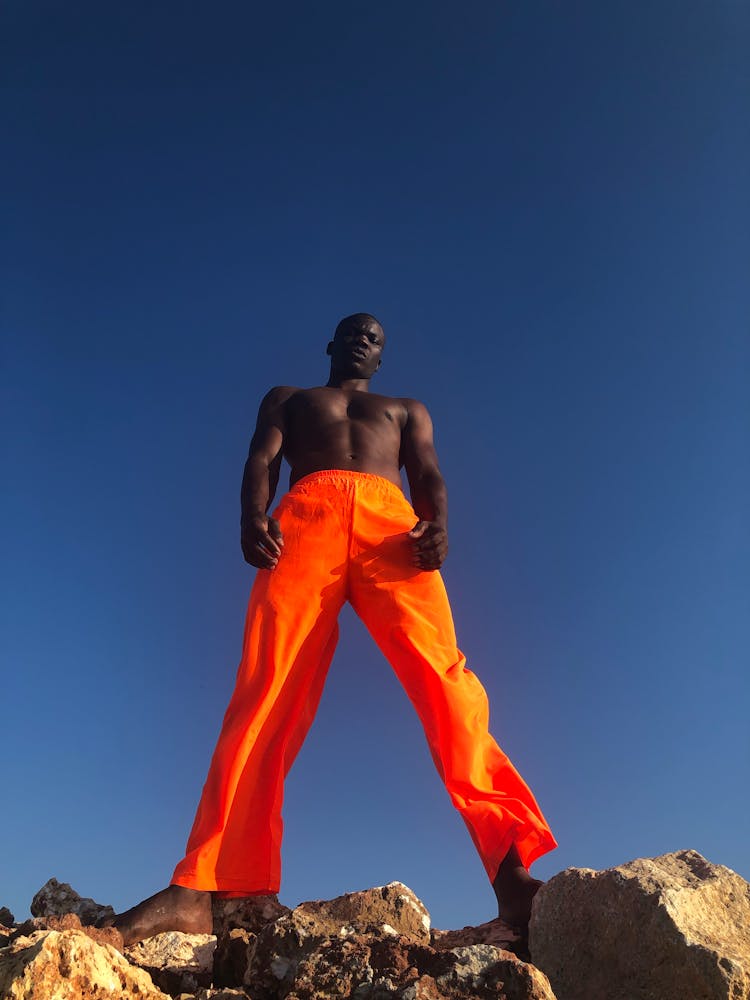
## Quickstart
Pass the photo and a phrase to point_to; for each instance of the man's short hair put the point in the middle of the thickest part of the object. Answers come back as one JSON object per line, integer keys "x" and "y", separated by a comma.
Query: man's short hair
{"x": 357, "y": 318}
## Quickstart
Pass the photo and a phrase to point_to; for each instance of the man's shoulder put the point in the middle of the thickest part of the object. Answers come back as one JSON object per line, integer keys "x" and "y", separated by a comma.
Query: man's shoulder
{"x": 414, "y": 407}
{"x": 279, "y": 394}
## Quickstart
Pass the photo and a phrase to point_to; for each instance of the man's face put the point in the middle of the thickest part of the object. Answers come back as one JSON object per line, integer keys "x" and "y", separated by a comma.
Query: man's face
{"x": 356, "y": 348}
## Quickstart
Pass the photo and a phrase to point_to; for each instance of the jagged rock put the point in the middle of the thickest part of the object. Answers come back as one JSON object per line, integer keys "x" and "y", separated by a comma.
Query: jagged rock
{"x": 368, "y": 969}
{"x": 221, "y": 994}
{"x": 234, "y": 953}
{"x": 674, "y": 927}
{"x": 494, "y": 932}
{"x": 6, "y": 917}
{"x": 356, "y": 919}
{"x": 249, "y": 912}
{"x": 482, "y": 970}
{"x": 176, "y": 962}
{"x": 387, "y": 909}
{"x": 68, "y": 922}
{"x": 237, "y": 922}
{"x": 56, "y": 898}
{"x": 375, "y": 945}
{"x": 68, "y": 965}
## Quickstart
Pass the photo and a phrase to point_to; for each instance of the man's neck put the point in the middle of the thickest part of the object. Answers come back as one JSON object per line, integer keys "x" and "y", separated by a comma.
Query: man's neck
{"x": 349, "y": 384}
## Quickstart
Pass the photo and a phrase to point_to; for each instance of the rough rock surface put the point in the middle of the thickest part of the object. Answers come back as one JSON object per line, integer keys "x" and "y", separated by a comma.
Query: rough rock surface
{"x": 250, "y": 912}
{"x": 6, "y": 917}
{"x": 176, "y": 962}
{"x": 374, "y": 945}
{"x": 325, "y": 926}
{"x": 68, "y": 922}
{"x": 56, "y": 898}
{"x": 494, "y": 932}
{"x": 68, "y": 965}
{"x": 223, "y": 993}
{"x": 234, "y": 953}
{"x": 675, "y": 927}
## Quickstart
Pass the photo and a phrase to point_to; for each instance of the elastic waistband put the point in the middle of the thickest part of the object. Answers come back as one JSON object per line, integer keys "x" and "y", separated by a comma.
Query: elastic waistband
{"x": 345, "y": 477}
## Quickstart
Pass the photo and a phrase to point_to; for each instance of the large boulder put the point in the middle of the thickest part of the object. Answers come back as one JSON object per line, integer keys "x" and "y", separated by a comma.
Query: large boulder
{"x": 674, "y": 927}
{"x": 56, "y": 898}
{"x": 68, "y": 965}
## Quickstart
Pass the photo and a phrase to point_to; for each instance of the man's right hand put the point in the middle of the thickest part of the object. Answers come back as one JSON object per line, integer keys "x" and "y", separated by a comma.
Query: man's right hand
{"x": 262, "y": 541}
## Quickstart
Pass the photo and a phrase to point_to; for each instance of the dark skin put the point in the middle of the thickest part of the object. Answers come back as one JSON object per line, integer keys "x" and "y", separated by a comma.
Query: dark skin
{"x": 340, "y": 425}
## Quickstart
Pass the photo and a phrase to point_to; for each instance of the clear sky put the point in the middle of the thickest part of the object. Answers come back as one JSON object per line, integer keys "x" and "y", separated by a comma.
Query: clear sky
{"x": 547, "y": 206}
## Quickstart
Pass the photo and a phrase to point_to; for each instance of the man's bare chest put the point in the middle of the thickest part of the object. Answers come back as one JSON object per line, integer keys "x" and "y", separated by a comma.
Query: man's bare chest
{"x": 325, "y": 412}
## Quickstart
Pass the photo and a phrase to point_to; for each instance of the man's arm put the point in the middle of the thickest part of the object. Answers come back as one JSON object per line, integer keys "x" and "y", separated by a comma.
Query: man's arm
{"x": 429, "y": 496}
{"x": 260, "y": 534}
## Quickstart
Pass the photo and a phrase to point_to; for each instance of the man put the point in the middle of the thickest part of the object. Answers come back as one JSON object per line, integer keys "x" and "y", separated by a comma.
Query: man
{"x": 344, "y": 531}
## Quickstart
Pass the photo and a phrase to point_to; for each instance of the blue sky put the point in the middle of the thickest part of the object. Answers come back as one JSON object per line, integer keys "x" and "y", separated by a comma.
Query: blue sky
{"x": 547, "y": 207}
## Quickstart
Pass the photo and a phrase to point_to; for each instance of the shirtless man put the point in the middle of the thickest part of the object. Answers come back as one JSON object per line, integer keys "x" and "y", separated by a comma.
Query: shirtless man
{"x": 344, "y": 531}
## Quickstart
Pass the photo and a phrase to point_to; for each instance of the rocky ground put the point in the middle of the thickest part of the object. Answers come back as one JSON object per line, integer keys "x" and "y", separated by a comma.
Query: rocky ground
{"x": 674, "y": 927}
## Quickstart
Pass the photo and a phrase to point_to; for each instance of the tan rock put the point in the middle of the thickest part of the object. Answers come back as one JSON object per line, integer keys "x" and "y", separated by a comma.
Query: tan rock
{"x": 175, "y": 961}
{"x": 68, "y": 965}
{"x": 68, "y": 922}
{"x": 482, "y": 970}
{"x": 56, "y": 898}
{"x": 674, "y": 927}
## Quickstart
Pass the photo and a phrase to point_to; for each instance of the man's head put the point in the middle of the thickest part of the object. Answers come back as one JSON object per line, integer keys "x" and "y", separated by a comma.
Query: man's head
{"x": 356, "y": 346}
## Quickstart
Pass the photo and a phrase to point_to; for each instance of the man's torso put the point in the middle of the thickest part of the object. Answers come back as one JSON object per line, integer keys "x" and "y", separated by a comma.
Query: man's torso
{"x": 332, "y": 428}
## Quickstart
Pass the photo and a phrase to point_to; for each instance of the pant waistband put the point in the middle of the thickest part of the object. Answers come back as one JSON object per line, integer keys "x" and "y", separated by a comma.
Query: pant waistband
{"x": 345, "y": 477}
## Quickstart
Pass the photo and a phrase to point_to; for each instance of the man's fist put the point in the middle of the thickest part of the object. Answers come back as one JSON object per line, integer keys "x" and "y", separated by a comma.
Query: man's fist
{"x": 262, "y": 541}
{"x": 430, "y": 544}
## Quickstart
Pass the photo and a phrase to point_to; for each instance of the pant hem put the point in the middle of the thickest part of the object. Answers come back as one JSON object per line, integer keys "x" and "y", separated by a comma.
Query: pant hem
{"x": 232, "y": 886}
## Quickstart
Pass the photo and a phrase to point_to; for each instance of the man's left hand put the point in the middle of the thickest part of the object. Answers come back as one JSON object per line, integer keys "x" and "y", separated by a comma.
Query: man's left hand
{"x": 430, "y": 544}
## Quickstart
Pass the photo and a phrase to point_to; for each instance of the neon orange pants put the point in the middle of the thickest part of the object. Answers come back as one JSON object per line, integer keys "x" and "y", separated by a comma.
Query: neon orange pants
{"x": 345, "y": 539}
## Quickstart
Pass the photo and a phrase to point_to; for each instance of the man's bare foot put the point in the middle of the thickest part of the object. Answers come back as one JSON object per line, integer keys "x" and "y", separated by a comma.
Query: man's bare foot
{"x": 515, "y": 889}
{"x": 173, "y": 909}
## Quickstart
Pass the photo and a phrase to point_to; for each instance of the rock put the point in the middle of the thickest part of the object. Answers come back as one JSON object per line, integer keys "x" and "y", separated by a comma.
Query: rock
{"x": 68, "y": 922}
{"x": 6, "y": 917}
{"x": 324, "y": 926}
{"x": 220, "y": 994}
{"x": 388, "y": 909}
{"x": 494, "y": 932}
{"x": 237, "y": 922}
{"x": 68, "y": 965}
{"x": 375, "y": 945}
{"x": 674, "y": 927}
{"x": 56, "y": 898}
{"x": 249, "y": 912}
{"x": 482, "y": 970}
{"x": 234, "y": 954}
{"x": 175, "y": 961}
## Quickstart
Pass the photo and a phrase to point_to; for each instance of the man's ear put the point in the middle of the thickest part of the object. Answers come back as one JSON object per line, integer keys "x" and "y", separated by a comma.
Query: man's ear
{"x": 379, "y": 364}
{"x": 329, "y": 348}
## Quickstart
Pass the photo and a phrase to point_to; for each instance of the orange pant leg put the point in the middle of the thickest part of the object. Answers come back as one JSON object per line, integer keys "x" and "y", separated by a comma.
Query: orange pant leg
{"x": 290, "y": 636}
{"x": 406, "y": 611}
